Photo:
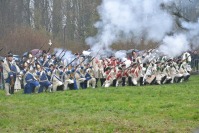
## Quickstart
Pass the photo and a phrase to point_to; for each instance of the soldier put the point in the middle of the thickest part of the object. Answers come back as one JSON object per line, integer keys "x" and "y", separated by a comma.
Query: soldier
{"x": 134, "y": 57}
{"x": 80, "y": 78}
{"x": 142, "y": 73}
{"x": 134, "y": 74}
{"x": 45, "y": 61}
{"x": 17, "y": 75}
{"x": 183, "y": 70}
{"x": 8, "y": 74}
{"x": 166, "y": 72}
{"x": 90, "y": 78}
{"x": 124, "y": 74}
{"x": 186, "y": 61}
{"x": 110, "y": 77}
{"x": 96, "y": 68}
{"x": 160, "y": 73}
{"x": 69, "y": 81}
{"x": 55, "y": 79}
{"x": 175, "y": 73}
{"x": 72, "y": 76}
{"x": 101, "y": 72}
{"x": 31, "y": 84}
{"x": 43, "y": 79}
{"x": 149, "y": 76}
{"x": 119, "y": 77}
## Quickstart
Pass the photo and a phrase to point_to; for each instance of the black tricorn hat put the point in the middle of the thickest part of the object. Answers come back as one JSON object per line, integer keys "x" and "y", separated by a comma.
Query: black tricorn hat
{"x": 108, "y": 68}
{"x": 119, "y": 68}
{"x": 157, "y": 62}
{"x": 123, "y": 65}
{"x": 10, "y": 54}
{"x": 61, "y": 66}
{"x": 53, "y": 54}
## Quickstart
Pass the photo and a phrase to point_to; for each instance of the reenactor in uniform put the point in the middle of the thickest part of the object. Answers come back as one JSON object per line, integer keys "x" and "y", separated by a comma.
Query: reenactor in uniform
{"x": 167, "y": 77}
{"x": 119, "y": 76}
{"x": 43, "y": 79}
{"x": 175, "y": 73}
{"x": 160, "y": 73}
{"x": 89, "y": 76}
{"x": 31, "y": 84}
{"x": 80, "y": 78}
{"x": 8, "y": 74}
{"x": 110, "y": 77}
{"x": 55, "y": 79}
{"x": 69, "y": 81}
{"x": 150, "y": 77}
{"x": 18, "y": 77}
{"x": 125, "y": 74}
{"x": 134, "y": 73}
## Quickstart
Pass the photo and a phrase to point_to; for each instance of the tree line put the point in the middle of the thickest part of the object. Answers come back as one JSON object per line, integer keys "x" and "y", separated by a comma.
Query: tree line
{"x": 27, "y": 24}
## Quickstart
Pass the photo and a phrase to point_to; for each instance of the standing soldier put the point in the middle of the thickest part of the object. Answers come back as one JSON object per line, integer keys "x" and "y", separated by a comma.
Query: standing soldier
{"x": 8, "y": 74}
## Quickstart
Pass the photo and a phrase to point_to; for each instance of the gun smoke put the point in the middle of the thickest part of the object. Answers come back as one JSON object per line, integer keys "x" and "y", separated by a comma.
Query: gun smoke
{"x": 122, "y": 20}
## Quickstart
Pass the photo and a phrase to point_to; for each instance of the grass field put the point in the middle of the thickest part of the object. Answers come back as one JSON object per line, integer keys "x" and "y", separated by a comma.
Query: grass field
{"x": 167, "y": 108}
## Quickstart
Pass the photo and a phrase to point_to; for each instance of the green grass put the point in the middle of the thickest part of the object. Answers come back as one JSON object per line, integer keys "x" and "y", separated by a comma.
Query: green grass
{"x": 167, "y": 108}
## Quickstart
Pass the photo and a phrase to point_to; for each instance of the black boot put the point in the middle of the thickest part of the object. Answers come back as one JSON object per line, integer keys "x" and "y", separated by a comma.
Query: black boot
{"x": 130, "y": 81}
{"x": 123, "y": 81}
{"x": 96, "y": 82}
{"x": 141, "y": 81}
{"x": 102, "y": 80}
{"x": 114, "y": 82}
{"x": 163, "y": 79}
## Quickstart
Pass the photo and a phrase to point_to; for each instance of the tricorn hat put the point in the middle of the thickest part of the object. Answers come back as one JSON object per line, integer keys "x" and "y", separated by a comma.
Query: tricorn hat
{"x": 10, "y": 54}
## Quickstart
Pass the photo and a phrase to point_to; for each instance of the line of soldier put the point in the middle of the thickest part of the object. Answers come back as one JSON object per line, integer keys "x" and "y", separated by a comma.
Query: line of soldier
{"x": 47, "y": 73}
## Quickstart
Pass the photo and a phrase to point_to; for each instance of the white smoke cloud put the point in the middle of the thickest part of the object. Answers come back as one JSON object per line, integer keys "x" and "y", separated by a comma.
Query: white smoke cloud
{"x": 66, "y": 55}
{"x": 193, "y": 34}
{"x": 126, "y": 19}
{"x": 174, "y": 45}
{"x": 121, "y": 20}
{"x": 120, "y": 54}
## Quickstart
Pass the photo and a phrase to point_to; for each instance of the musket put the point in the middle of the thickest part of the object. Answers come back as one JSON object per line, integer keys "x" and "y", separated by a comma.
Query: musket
{"x": 127, "y": 68}
{"x": 94, "y": 56}
{"x": 63, "y": 54}
{"x": 80, "y": 63}
{"x": 61, "y": 58}
{"x": 49, "y": 59}
{"x": 186, "y": 58}
{"x": 60, "y": 53}
{"x": 72, "y": 61}
{"x": 117, "y": 65}
{"x": 36, "y": 59}
{"x": 40, "y": 49}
